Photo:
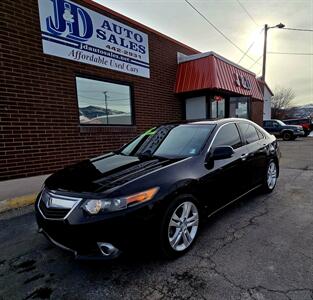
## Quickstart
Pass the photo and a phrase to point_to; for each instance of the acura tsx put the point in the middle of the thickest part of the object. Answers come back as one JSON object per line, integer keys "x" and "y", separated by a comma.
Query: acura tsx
{"x": 161, "y": 186}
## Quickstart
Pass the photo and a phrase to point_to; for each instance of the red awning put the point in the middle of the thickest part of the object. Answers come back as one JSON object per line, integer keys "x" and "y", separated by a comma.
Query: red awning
{"x": 212, "y": 71}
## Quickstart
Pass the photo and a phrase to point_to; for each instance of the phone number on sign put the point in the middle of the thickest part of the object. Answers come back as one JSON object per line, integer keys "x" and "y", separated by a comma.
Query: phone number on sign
{"x": 122, "y": 51}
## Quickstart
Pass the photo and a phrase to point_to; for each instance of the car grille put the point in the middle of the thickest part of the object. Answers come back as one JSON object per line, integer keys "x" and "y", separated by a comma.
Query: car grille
{"x": 55, "y": 206}
{"x": 52, "y": 213}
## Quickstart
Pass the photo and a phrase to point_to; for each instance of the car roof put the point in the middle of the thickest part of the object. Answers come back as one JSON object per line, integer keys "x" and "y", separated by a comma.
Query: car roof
{"x": 300, "y": 119}
{"x": 221, "y": 121}
{"x": 208, "y": 122}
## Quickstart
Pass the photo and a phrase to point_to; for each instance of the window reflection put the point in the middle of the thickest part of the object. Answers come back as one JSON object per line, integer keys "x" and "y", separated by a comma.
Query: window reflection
{"x": 217, "y": 107}
{"x": 103, "y": 103}
{"x": 238, "y": 107}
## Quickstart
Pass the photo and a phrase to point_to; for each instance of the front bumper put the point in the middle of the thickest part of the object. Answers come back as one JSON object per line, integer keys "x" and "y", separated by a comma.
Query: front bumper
{"x": 82, "y": 238}
{"x": 298, "y": 133}
{"x": 90, "y": 256}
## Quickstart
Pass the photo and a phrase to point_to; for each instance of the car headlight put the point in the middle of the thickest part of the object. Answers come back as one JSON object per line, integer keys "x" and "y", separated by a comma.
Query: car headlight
{"x": 95, "y": 206}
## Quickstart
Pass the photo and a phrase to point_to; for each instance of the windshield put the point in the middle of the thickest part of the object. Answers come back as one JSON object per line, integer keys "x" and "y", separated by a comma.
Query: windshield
{"x": 170, "y": 141}
{"x": 280, "y": 122}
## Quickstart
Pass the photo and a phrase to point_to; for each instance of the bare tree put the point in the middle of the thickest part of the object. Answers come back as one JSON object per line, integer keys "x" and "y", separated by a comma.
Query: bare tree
{"x": 281, "y": 101}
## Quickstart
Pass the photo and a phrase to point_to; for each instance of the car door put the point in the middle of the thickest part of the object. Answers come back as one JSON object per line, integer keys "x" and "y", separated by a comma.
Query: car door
{"x": 226, "y": 179}
{"x": 276, "y": 128}
{"x": 257, "y": 149}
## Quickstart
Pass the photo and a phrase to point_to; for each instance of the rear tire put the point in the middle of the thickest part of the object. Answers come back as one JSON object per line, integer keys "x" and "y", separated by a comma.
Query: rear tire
{"x": 287, "y": 136}
{"x": 270, "y": 177}
{"x": 179, "y": 226}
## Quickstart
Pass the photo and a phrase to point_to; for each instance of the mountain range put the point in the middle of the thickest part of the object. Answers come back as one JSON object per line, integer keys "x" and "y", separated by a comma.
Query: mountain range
{"x": 92, "y": 112}
{"x": 302, "y": 111}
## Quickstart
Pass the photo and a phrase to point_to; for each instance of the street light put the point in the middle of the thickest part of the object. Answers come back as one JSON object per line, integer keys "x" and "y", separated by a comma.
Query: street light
{"x": 266, "y": 28}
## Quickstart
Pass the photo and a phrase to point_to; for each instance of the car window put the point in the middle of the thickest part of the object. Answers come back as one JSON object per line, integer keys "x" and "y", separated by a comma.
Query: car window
{"x": 267, "y": 123}
{"x": 170, "y": 141}
{"x": 228, "y": 136}
{"x": 184, "y": 141}
{"x": 249, "y": 132}
{"x": 280, "y": 123}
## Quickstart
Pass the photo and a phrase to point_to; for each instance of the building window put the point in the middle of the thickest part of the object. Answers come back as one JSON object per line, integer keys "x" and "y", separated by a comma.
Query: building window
{"x": 103, "y": 103}
{"x": 217, "y": 107}
{"x": 195, "y": 108}
{"x": 238, "y": 107}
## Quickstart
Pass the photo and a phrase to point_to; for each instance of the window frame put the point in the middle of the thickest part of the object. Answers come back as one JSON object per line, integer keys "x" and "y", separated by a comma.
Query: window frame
{"x": 218, "y": 131}
{"x": 107, "y": 80}
{"x": 258, "y": 131}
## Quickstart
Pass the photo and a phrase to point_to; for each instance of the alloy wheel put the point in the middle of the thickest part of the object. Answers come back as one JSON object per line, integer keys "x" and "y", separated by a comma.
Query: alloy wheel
{"x": 183, "y": 226}
{"x": 271, "y": 175}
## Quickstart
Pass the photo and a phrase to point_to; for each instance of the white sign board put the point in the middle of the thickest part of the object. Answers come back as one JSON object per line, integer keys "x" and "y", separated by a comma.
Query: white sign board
{"x": 74, "y": 32}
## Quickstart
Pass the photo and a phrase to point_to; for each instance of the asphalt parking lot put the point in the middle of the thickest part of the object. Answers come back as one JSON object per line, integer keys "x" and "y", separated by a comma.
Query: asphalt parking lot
{"x": 259, "y": 248}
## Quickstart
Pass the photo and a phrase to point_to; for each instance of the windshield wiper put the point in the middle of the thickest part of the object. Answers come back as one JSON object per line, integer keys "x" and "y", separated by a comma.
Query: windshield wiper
{"x": 145, "y": 155}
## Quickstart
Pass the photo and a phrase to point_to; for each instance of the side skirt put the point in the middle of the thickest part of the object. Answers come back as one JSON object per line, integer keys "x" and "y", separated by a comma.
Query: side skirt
{"x": 229, "y": 203}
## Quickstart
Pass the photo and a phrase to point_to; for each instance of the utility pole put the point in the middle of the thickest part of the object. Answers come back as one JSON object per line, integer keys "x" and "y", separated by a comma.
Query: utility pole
{"x": 266, "y": 28}
{"x": 106, "y": 106}
{"x": 264, "y": 52}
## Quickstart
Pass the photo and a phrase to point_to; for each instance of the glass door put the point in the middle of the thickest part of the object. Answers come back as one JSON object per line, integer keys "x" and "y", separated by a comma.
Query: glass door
{"x": 217, "y": 110}
{"x": 238, "y": 107}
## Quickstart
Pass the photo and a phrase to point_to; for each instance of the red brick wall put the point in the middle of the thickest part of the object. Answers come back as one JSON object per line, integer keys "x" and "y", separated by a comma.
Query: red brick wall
{"x": 257, "y": 111}
{"x": 39, "y": 123}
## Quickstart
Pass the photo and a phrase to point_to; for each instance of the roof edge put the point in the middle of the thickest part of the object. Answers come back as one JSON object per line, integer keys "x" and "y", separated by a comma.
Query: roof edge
{"x": 129, "y": 20}
{"x": 259, "y": 79}
{"x": 181, "y": 58}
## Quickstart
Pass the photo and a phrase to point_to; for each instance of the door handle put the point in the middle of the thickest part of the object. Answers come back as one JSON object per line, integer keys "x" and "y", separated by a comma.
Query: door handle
{"x": 244, "y": 156}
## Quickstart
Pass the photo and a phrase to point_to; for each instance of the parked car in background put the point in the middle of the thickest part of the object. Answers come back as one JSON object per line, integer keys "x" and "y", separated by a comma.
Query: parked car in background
{"x": 282, "y": 130}
{"x": 159, "y": 187}
{"x": 306, "y": 124}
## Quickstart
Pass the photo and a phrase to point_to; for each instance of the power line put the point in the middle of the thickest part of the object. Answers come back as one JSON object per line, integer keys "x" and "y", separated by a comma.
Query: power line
{"x": 217, "y": 29}
{"x": 242, "y": 57}
{"x": 290, "y": 53}
{"x": 297, "y": 29}
{"x": 247, "y": 12}
{"x": 256, "y": 62}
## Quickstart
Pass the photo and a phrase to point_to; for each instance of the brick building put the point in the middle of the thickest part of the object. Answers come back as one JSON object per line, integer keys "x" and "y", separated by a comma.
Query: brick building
{"x": 78, "y": 80}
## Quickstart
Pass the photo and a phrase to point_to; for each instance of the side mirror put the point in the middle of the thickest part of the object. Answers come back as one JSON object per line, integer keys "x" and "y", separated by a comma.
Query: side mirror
{"x": 222, "y": 152}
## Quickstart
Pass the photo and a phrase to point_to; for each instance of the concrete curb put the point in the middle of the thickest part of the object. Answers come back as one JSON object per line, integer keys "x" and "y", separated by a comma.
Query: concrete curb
{"x": 17, "y": 202}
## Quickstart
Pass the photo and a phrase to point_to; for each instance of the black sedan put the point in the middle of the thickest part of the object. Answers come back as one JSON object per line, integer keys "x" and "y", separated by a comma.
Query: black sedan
{"x": 158, "y": 187}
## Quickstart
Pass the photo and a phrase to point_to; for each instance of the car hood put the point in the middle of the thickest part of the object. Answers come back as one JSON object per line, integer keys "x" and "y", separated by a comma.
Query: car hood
{"x": 103, "y": 173}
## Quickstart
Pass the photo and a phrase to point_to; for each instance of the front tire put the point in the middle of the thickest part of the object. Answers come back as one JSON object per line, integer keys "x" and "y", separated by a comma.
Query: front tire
{"x": 287, "y": 136}
{"x": 270, "y": 178}
{"x": 179, "y": 226}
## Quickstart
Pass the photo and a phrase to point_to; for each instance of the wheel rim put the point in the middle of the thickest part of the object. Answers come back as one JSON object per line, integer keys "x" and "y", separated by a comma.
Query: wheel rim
{"x": 271, "y": 175}
{"x": 183, "y": 226}
{"x": 287, "y": 136}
